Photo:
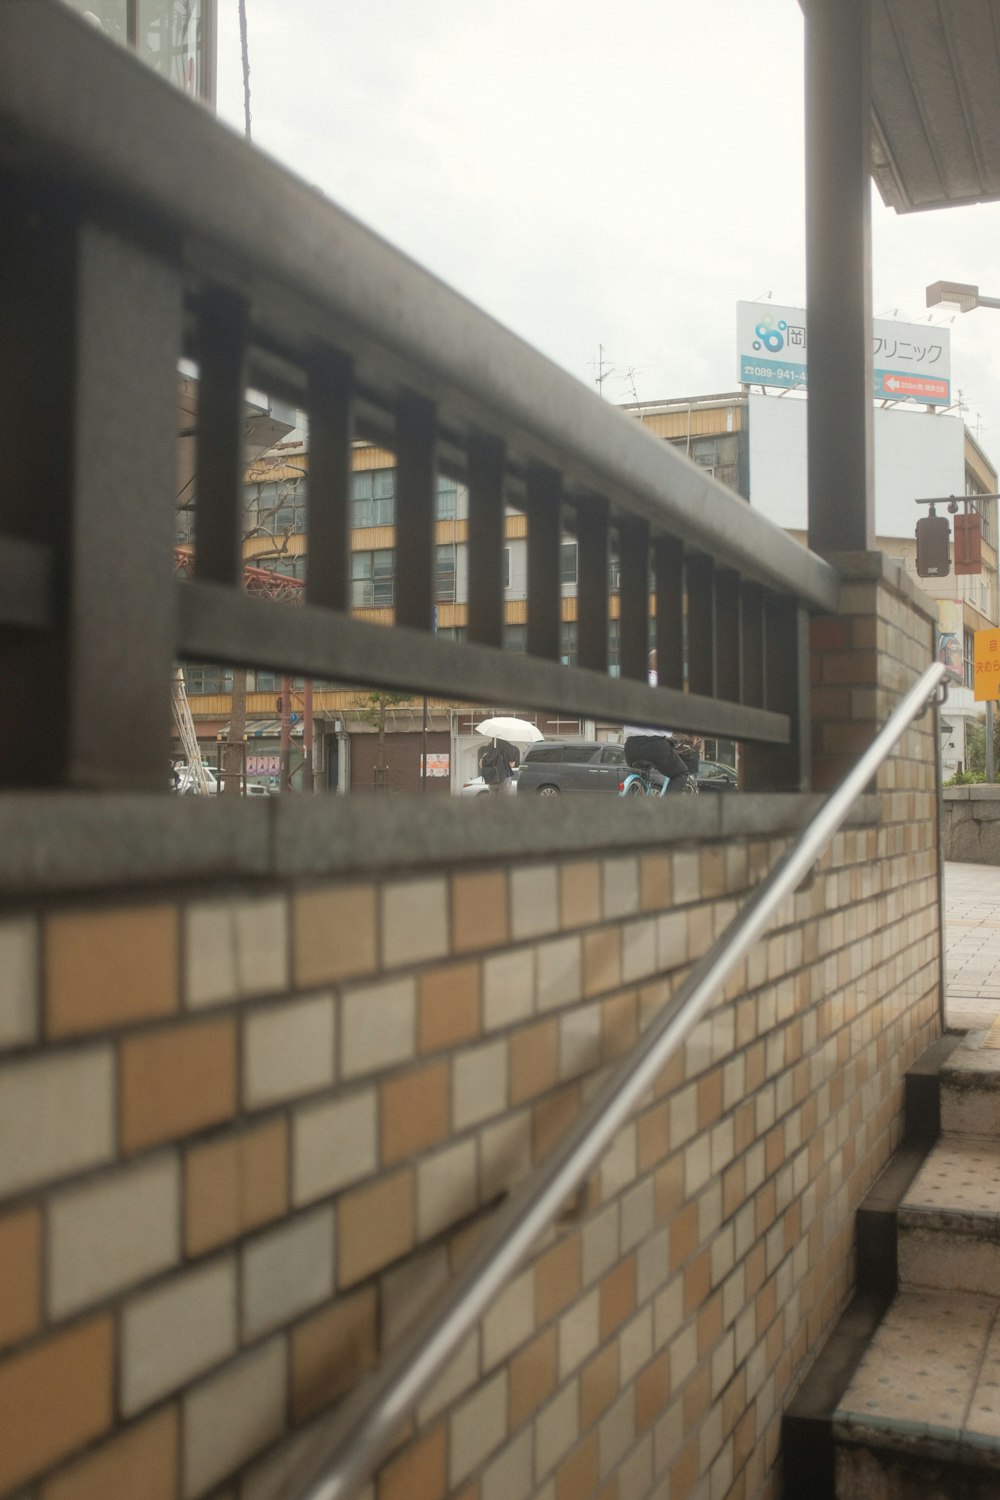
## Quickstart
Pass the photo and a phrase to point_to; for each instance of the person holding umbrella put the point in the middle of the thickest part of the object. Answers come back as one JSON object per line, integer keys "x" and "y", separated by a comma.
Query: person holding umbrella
{"x": 499, "y": 761}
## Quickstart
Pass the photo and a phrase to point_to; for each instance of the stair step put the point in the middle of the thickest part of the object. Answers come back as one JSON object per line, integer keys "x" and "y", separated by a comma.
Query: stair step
{"x": 924, "y": 1399}
{"x": 948, "y": 1224}
{"x": 970, "y": 1087}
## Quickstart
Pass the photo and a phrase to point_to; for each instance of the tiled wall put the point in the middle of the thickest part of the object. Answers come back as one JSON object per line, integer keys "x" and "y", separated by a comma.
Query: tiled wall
{"x": 242, "y": 1133}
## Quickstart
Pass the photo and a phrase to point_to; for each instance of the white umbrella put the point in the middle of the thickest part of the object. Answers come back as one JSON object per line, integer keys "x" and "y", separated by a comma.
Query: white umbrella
{"x": 504, "y": 727}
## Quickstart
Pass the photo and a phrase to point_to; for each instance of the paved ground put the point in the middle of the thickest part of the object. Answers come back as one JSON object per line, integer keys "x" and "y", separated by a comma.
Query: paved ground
{"x": 972, "y": 938}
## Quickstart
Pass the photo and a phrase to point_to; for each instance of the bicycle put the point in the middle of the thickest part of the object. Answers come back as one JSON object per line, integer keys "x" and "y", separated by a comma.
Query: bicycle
{"x": 639, "y": 782}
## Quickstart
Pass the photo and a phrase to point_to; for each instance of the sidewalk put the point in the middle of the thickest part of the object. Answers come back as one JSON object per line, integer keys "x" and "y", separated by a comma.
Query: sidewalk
{"x": 972, "y": 942}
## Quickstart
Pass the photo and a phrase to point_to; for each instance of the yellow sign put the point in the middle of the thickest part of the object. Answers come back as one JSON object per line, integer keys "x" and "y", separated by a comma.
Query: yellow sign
{"x": 986, "y": 684}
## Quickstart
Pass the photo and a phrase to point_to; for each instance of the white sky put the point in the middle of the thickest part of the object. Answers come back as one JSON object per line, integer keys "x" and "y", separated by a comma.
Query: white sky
{"x": 591, "y": 172}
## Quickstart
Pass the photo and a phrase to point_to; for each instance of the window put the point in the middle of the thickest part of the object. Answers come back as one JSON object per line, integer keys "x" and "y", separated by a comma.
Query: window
{"x": 446, "y": 568}
{"x": 279, "y": 506}
{"x": 614, "y": 650}
{"x": 506, "y": 567}
{"x": 373, "y": 498}
{"x": 515, "y": 638}
{"x": 567, "y": 643}
{"x": 200, "y": 679}
{"x": 270, "y": 682}
{"x": 373, "y": 577}
{"x": 451, "y": 632}
{"x": 614, "y": 576}
{"x": 968, "y": 655}
{"x": 447, "y": 498}
{"x": 567, "y": 562}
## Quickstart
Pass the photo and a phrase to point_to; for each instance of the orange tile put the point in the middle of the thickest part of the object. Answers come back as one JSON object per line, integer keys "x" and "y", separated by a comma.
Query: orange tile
{"x": 333, "y": 933}
{"x": 683, "y": 1235}
{"x": 54, "y": 1398}
{"x": 598, "y": 1385}
{"x": 449, "y": 1006}
{"x": 655, "y": 882}
{"x": 479, "y": 917}
{"x": 617, "y": 1297}
{"x": 557, "y": 1278}
{"x": 534, "y": 1060}
{"x": 140, "y": 1464}
{"x": 653, "y": 1136}
{"x": 668, "y": 1188}
{"x": 552, "y": 1118}
{"x": 580, "y": 893}
{"x": 109, "y": 968}
{"x": 532, "y": 1377}
{"x": 234, "y": 1185}
{"x": 684, "y": 1473}
{"x": 577, "y": 1476}
{"x": 419, "y": 1472}
{"x": 652, "y": 1391}
{"x": 709, "y": 1324}
{"x": 331, "y": 1350}
{"x": 375, "y": 1226}
{"x": 602, "y": 960}
{"x": 177, "y": 1081}
{"x": 710, "y": 1099}
{"x": 415, "y": 1111}
{"x": 713, "y": 871}
{"x": 619, "y": 1024}
{"x": 20, "y": 1274}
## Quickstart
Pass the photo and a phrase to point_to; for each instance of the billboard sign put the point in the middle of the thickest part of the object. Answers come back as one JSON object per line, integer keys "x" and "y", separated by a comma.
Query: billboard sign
{"x": 912, "y": 361}
{"x": 950, "y": 632}
{"x": 986, "y": 679}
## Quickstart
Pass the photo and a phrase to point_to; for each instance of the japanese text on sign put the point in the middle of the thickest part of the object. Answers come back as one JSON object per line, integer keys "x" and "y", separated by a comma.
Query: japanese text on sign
{"x": 986, "y": 659}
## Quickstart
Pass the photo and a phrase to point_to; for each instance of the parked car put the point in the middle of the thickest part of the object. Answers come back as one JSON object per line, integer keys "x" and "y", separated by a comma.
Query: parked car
{"x": 475, "y": 788}
{"x": 555, "y": 766}
{"x": 716, "y": 776}
{"x": 187, "y": 786}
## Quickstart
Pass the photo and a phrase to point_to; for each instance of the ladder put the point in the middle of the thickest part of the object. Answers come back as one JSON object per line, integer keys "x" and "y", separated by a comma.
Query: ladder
{"x": 189, "y": 740}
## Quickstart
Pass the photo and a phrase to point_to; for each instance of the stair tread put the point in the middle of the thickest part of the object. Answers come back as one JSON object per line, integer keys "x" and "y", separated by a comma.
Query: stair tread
{"x": 958, "y": 1185}
{"x": 930, "y": 1380}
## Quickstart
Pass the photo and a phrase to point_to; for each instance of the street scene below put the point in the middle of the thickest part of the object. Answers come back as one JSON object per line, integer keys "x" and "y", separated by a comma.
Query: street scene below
{"x": 972, "y": 947}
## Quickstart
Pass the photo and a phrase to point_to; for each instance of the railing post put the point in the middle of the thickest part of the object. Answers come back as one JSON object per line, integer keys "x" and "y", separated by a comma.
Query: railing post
{"x": 633, "y": 545}
{"x": 669, "y": 563}
{"x": 416, "y": 492}
{"x": 592, "y": 583}
{"x": 487, "y": 466}
{"x": 701, "y": 636}
{"x": 328, "y": 566}
{"x": 544, "y": 506}
{"x": 784, "y": 768}
{"x": 221, "y": 445}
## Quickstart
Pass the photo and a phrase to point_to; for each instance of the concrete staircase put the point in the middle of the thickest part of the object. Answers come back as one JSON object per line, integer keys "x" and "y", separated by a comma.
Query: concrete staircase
{"x": 904, "y": 1403}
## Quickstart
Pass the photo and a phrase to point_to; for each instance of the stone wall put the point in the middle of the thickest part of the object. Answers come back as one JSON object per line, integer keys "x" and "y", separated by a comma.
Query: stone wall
{"x": 247, "y": 1124}
{"x": 970, "y": 824}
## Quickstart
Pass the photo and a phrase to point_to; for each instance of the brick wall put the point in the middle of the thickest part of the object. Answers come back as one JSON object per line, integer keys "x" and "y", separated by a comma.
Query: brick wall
{"x": 243, "y": 1132}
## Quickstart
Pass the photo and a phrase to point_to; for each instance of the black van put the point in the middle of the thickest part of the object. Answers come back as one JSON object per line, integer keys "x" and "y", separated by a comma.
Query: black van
{"x": 553, "y": 766}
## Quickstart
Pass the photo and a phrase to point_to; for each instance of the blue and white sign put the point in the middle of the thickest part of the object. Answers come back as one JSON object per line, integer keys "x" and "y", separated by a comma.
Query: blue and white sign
{"x": 912, "y": 360}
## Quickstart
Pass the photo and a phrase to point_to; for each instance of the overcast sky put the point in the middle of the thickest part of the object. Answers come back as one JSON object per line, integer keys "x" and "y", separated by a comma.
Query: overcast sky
{"x": 591, "y": 172}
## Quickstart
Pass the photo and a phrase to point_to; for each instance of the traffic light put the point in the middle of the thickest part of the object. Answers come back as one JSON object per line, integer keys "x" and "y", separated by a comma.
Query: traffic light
{"x": 933, "y": 546}
{"x": 969, "y": 543}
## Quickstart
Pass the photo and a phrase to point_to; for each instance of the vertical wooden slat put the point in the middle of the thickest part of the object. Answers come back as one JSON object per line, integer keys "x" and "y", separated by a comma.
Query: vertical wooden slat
{"x": 633, "y": 552}
{"x": 728, "y": 655}
{"x": 668, "y": 557}
{"x": 416, "y": 494}
{"x": 487, "y": 468}
{"x": 784, "y": 768}
{"x": 221, "y": 458}
{"x": 752, "y": 644}
{"x": 544, "y": 507}
{"x": 592, "y": 583}
{"x": 122, "y": 619}
{"x": 328, "y": 564}
{"x": 701, "y": 638}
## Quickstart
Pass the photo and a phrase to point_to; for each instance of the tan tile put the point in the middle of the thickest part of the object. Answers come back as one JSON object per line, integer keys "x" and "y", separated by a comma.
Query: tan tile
{"x": 177, "y": 1081}
{"x": 448, "y": 1006}
{"x": 576, "y": 1476}
{"x": 176, "y": 1331}
{"x": 109, "y": 968}
{"x": 534, "y": 1060}
{"x": 235, "y": 1184}
{"x": 20, "y": 1274}
{"x": 331, "y": 1350}
{"x": 377, "y": 1025}
{"x": 598, "y": 1384}
{"x": 419, "y": 1472}
{"x": 140, "y": 1464}
{"x": 655, "y": 882}
{"x": 414, "y": 1111}
{"x": 683, "y": 1235}
{"x": 287, "y": 1271}
{"x": 580, "y": 893}
{"x": 617, "y": 1297}
{"x": 479, "y": 910}
{"x": 479, "y": 1083}
{"x": 534, "y": 901}
{"x": 476, "y": 1427}
{"x": 375, "y": 1226}
{"x": 652, "y": 1391}
{"x": 414, "y": 920}
{"x": 54, "y": 1398}
{"x": 602, "y": 960}
{"x": 334, "y": 933}
{"x": 533, "y": 1374}
{"x": 288, "y": 1050}
{"x": 334, "y": 1142}
{"x": 553, "y": 1117}
{"x": 233, "y": 1415}
{"x": 558, "y": 1277}
{"x": 619, "y": 1024}
{"x": 19, "y": 968}
{"x": 653, "y": 1136}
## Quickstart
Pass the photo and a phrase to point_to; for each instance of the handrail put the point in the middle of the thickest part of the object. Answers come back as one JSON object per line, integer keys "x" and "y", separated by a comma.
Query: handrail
{"x": 361, "y": 1434}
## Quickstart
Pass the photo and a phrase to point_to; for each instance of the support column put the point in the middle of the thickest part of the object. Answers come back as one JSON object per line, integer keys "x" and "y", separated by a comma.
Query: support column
{"x": 838, "y": 274}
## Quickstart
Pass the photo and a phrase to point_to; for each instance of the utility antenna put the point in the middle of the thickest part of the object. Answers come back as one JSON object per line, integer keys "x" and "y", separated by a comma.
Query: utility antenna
{"x": 603, "y": 370}
{"x": 630, "y": 377}
{"x": 246, "y": 66}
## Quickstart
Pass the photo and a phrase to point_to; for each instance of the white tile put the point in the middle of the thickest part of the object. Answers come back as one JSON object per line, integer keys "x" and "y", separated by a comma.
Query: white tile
{"x": 288, "y": 1050}
{"x": 477, "y": 1427}
{"x": 112, "y": 1232}
{"x": 618, "y": 1168}
{"x": 620, "y": 886}
{"x": 262, "y": 945}
{"x": 232, "y": 1416}
{"x": 505, "y": 1154}
{"x": 479, "y": 1084}
{"x": 378, "y": 1026}
{"x": 508, "y": 987}
{"x": 510, "y": 1321}
{"x": 600, "y": 1243}
{"x": 672, "y": 940}
{"x": 579, "y": 1333}
{"x": 447, "y": 1188}
{"x": 638, "y": 950}
{"x": 635, "y": 1344}
{"x": 616, "y": 1432}
{"x": 560, "y": 972}
{"x": 209, "y": 954}
{"x": 579, "y": 1041}
{"x": 414, "y": 920}
{"x": 557, "y": 1428}
{"x": 636, "y": 1474}
{"x": 455, "y": 1379}
{"x": 652, "y": 1264}
{"x": 56, "y": 1116}
{"x": 534, "y": 901}
{"x": 637, "y": 1214}
{"x": 509, "y": 1475}
{"x": 287, "y": 1270}
{"x": 333, "y": 1143}
{"x": 177, "y": 1331}
{"x": 407, "y": 1288}
{"x": 18, "y": 982}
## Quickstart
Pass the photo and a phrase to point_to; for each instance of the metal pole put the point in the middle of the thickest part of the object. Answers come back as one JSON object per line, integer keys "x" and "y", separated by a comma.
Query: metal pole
{"x": 423, "y": 750}
{"x": 989, "y": 741}
{"x": 307, "y": 736}
{"x": 285, "y": 742}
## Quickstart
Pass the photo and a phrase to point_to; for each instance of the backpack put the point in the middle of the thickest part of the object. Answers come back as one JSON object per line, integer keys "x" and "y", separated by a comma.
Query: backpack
{"x": 489, "y": 765}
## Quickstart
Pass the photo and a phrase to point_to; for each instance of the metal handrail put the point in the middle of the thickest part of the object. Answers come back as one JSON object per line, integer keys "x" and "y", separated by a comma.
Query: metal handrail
{"x": 362, "y": 1433}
